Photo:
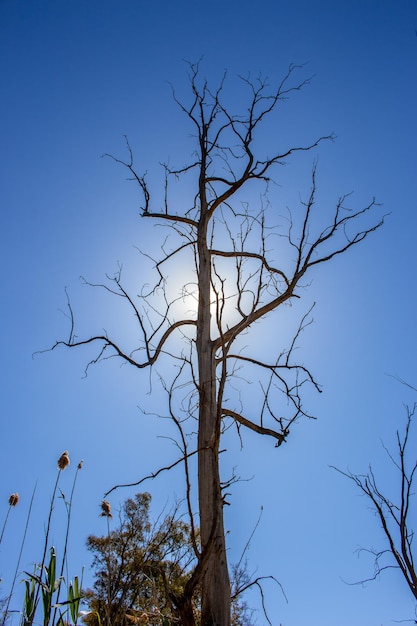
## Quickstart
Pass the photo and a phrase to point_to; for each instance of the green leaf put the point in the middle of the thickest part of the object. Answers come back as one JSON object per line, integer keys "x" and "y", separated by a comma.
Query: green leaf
{"x": 51, "y": 569}
{"x": 74, "y": 598}
{"x": 29, "y": 605}
{"x": 49, "y": 588}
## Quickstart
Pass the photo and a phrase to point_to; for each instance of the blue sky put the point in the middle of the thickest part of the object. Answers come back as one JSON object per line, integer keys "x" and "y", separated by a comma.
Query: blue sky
{"x": 77, "y": 76}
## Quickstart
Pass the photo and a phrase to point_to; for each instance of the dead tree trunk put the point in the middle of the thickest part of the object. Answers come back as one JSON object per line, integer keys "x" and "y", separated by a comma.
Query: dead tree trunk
{"x": 220, "y": 229}
{"x": 215, "y": 581}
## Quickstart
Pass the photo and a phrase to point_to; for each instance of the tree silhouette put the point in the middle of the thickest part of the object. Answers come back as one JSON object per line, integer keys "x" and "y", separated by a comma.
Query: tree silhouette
{"x": 395, "y": 512}
{"x": 245, "y": 268}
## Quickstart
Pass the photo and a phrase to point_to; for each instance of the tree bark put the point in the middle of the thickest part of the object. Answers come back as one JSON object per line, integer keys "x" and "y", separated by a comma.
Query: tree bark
{"x": 215, "y": 610}
{"x": 215, "y": 580}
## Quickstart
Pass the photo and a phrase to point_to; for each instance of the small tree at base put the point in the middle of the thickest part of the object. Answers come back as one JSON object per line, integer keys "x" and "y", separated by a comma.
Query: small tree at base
{"x": 141, "y": 571}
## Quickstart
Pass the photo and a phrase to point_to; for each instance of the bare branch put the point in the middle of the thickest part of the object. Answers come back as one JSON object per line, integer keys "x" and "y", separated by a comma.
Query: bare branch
{"x": 393, "y": 517}
{"x": 280, "y": 437}
{"x": 150, "y": 476}
{"x": 240, "y": 278}
{"x": 139, "y": 179}
{"x": 105, "y": 343}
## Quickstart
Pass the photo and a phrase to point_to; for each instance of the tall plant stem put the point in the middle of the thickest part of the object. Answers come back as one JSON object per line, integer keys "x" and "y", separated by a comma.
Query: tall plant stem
{"x": 19, "y": 557}
{"x": 5, "y": 523}
{"x": 64, "y": 557}
{"x": 48, "y": 528}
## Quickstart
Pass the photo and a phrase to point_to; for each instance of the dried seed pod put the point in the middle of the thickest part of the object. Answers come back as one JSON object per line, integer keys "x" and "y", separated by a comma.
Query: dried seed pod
{"x": 105, "y": 509}
{"x": 63, "y": 460}
{"x": 14, "y": 499}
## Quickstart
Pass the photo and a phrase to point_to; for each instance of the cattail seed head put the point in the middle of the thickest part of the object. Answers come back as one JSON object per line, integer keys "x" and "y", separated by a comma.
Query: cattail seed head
{"x": 14, "y": 499}
{"x": 63, "y": 460}
{"x": 105, "y": 509}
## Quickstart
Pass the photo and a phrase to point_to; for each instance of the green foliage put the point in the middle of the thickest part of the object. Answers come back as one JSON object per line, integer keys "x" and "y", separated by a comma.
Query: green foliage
{"x": 30, "y": 602}
{"x": 74, "y": 599}
{"x": 48, "y": 585}
{"x": 141, "y": 571}
{"x": 45, "y": 582}
{"x": 49, "y": 588}
{"x": 139, "y": 568}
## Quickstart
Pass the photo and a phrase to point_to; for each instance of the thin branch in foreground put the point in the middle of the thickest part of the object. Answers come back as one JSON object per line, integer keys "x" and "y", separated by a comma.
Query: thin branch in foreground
{"x": 394, "y": 517}
{"x": 150, "y": 476}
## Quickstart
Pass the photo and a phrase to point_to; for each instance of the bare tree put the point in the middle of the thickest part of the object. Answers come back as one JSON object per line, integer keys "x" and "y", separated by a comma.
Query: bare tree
{"x": 394, "y": 515}
{"x": 245, "y": 268}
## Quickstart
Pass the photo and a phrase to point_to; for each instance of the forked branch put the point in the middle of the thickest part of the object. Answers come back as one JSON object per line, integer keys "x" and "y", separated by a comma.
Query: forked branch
{"x": 394, "y": 514}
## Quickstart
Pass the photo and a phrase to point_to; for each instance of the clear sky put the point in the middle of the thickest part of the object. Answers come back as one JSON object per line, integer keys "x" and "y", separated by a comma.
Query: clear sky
{"x": 77, "y": 76}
